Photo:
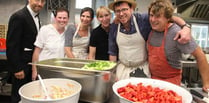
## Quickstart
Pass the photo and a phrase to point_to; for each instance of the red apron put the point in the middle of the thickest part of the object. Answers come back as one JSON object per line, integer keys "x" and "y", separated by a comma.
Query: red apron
{"x": 158, "y": 64}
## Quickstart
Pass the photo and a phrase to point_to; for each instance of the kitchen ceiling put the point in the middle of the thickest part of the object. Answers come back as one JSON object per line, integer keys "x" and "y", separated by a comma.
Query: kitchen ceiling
{"x": 193, "y": 9}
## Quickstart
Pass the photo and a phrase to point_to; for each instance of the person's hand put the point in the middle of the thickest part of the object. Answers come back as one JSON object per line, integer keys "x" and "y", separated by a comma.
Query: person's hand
{"x": 205, "y": 81}
{"x": 205, "y": 88}
{"x": 20, "y": 75}
{"x": 34, "y": 75}
{"x": 183, "y": 36}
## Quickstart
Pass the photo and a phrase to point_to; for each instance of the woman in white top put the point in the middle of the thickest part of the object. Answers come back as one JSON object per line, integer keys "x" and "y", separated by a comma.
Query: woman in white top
{"x": 50, "y": 39}
{"x": 77, "y": 37}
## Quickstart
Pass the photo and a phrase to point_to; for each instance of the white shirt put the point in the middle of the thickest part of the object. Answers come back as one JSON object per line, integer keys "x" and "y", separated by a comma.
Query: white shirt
{"x": 34, "y": 17}
{"x": 51, "y": 42}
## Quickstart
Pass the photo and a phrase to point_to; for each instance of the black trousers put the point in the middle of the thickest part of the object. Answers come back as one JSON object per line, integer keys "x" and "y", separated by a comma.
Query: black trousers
{"x": 17, "y": 83}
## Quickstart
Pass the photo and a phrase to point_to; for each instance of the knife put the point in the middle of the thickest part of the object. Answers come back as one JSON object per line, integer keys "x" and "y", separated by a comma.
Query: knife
{"x": 205, "y": 99}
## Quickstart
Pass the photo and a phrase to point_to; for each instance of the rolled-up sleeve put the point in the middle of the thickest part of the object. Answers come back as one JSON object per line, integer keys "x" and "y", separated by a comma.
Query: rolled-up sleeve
{"x": 41, "y": 37}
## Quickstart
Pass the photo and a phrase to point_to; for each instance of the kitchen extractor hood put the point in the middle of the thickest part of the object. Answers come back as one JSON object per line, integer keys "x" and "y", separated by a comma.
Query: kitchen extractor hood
{"x": 193, "y": 10}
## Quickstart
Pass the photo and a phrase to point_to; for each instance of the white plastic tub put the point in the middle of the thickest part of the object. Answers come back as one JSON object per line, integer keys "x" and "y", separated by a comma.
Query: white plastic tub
{"x": 186, "y": 96}
{"x": 31, "y": 89}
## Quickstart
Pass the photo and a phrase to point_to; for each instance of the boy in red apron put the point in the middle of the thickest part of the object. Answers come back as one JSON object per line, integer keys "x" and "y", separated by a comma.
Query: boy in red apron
{"x": 164, "y": 54}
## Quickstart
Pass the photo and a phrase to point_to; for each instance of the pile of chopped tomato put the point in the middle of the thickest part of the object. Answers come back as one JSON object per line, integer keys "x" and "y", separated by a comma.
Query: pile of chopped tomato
{"x": 148, "y": 94}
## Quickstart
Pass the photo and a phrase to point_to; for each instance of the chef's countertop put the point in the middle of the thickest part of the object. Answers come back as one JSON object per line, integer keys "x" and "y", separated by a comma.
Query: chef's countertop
{"x": 197, "y": 99}
{"x": 192, "y": 62}
{"x": 114, "y": 98}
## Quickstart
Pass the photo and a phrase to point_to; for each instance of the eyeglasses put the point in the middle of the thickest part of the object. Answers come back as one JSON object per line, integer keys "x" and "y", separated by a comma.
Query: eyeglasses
{"x": 121, "y": 10}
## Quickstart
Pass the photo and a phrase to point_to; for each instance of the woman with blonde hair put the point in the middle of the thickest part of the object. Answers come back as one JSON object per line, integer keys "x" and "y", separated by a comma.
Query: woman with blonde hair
{"x": 98, "y": 48}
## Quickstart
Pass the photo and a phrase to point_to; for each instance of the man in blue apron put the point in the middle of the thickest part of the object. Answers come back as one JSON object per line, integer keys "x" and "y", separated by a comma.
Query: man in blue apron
{"x": 127, "y": 40}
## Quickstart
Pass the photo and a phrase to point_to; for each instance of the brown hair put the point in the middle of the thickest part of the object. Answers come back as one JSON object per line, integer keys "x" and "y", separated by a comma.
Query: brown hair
{"x": 120, "y": 2}
{"x": 88, "y": 9}
{"x": 159, "y": 6}
{"x": 60, "y": 10}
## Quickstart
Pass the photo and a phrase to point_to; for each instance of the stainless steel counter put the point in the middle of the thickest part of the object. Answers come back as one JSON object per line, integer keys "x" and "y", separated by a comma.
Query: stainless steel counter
{"x": 192, "y": 70}
{"x": 189, "y": 64}
{"x": 197, "y": 99}
{"x": 190, "y": 75}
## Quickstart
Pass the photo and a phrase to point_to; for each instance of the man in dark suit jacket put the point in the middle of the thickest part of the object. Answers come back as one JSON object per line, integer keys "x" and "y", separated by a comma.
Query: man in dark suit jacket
{"x": 22, "y": 30}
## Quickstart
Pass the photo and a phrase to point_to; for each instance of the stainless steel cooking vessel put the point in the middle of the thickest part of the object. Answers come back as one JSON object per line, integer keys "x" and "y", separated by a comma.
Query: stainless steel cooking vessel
{"x": 96, "y": 85}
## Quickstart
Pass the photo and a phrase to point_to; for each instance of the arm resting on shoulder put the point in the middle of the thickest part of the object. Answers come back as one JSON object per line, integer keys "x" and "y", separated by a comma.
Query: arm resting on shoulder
{"x": 202, "y": 66}
{"x": 184, "y": 35}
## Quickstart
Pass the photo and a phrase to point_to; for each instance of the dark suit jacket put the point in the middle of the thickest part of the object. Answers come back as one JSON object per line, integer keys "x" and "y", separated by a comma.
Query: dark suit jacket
{"x": 20, "y": 38}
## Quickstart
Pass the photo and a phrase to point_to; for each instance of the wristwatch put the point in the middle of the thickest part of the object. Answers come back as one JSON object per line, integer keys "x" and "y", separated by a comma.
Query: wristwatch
{"x": 187, "y": 25}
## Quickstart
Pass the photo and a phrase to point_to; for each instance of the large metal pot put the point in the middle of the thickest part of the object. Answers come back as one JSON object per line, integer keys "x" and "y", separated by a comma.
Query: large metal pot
{"x": 96, "y": 85}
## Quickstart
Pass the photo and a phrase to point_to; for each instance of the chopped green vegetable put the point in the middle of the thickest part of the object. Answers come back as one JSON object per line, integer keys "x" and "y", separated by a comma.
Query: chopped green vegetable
{"x": 100, "y": 65}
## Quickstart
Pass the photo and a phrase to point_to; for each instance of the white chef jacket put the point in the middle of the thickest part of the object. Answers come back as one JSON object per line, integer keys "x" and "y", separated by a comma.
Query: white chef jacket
{"x": 51, "y": 42}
